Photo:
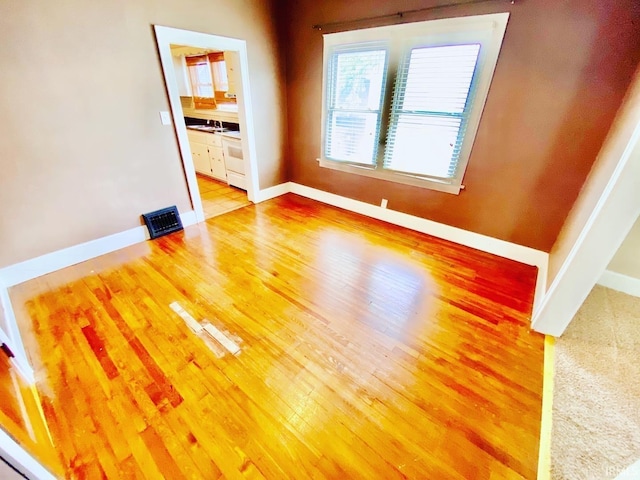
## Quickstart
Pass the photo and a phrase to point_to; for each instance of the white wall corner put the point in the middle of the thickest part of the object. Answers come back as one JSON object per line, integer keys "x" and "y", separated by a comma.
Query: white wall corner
{"x": 606, "y": 228}
{"x": 621, "y": 283}
{"x": 272, "y": 192}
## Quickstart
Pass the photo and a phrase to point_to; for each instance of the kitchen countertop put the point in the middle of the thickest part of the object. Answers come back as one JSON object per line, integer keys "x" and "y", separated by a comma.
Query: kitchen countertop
{"x": 218, "y": 131}
{"x": 231, "y": 134}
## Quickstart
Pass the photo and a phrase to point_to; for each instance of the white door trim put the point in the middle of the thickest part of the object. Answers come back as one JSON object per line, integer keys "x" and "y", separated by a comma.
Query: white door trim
{"x": 605, "y": 230}
{"x": 165, "y": 36}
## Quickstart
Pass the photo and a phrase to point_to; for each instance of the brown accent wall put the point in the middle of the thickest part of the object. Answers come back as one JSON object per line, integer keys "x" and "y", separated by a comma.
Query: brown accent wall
{"x": 563, "y": 70}
{"x": 82, "y": 150}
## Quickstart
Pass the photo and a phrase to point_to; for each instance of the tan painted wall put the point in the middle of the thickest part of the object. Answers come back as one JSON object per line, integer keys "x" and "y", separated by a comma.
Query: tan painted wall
{"x": 563, "y": 70}
{"x": 82, "y": 150}
{"x": 627, "y": 260}
{"x": 612, "y": 150}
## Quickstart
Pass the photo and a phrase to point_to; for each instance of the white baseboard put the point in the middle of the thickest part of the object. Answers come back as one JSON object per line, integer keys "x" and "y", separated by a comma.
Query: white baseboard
{"x": 50, "y": 262}
{"x": 187, "y": 219}
{"x": 272, "y": 192}
{"x": 487, "y": 244}
{"x": 621, "y": 283}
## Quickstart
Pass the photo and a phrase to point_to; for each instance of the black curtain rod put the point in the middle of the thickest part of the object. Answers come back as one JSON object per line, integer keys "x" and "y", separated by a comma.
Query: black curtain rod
{"x": 402, "y": 14}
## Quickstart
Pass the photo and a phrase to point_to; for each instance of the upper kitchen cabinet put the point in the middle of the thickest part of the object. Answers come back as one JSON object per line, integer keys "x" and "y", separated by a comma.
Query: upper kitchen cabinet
{"x": 207, "y": 81}
{"x": 233, "y": 72}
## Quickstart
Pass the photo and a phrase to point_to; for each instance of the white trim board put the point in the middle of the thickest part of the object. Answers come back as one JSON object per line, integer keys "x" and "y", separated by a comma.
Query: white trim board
{"x": 621, "y": 283}
{"x": 50, "y": 262}
{"x": 273, "y": 192}
{"x": 487, "y": 244}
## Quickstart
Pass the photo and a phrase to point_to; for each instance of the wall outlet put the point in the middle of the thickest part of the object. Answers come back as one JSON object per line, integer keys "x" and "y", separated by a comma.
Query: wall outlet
{"x": 384, "y": 202}
{"x": 165, "y": 118}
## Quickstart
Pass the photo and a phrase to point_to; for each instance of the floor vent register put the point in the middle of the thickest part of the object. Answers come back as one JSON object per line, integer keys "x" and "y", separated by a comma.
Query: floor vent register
{"x": 163, "y": 222}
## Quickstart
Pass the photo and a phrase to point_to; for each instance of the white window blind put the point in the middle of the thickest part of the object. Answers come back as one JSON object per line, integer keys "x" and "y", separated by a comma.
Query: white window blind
{"x": 431, "y": 104}
{"x": 356, "y": 80}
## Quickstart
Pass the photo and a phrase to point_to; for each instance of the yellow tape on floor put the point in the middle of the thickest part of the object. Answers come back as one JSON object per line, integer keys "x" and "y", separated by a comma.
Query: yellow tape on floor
{"x": 544, "y": 456}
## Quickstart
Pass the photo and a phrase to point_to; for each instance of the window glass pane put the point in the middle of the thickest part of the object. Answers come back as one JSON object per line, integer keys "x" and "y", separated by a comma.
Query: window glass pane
{"x": 425, "y": 145}
{"x": 201, "y": 82}
{"x": 351, "y": 136}
{"x": 220, "y": 75}
{"x": 205, "y": 91}
{"x": 355, "y": 85}
{"x": 428, "y": 119}
{"x": 439, "y": 78}
{"x": 202, "y": 73}
{"x": 358, "y": 78}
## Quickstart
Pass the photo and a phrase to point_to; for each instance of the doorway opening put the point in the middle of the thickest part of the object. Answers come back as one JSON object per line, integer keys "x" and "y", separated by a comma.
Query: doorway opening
{"x": 207, "y": 81}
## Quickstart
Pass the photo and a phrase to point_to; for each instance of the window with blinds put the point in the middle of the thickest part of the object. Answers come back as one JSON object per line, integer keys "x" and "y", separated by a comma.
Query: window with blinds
{"x": 208, "y": 78}
{"x": 421, "y": 131}
{"x": 356, "y": 81}
{"x": 431, "y": 103}
{"x": 200, "y": 76}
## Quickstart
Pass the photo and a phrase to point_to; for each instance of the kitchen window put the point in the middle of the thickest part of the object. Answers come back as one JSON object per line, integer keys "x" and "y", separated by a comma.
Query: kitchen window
{"x": 208, "y": 78}
{"x": 403, "y": 102}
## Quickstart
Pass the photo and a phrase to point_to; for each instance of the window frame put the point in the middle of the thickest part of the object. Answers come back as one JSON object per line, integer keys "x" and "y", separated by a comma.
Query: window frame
{"x": 488, "y": 30}
{"x": 213, "y": 61}
{"x": 334, "y": 108}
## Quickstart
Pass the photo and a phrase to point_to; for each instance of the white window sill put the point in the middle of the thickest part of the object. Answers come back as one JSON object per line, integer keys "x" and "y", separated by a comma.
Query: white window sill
{"x": 390, "y": 176}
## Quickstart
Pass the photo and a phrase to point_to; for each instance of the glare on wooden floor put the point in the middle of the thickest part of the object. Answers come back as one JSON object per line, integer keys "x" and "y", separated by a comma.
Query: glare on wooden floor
{"x": 368, "y": 351}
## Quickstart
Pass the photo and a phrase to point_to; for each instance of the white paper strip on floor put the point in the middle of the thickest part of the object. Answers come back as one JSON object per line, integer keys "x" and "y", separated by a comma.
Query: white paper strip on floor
{"x": 191, "y": 322}
{"x": 213, "y": 345}
{"x": 225, "y": 341}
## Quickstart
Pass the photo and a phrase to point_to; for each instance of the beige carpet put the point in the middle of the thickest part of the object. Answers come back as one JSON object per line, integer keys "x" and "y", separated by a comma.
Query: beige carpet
{"x": 596, "y": 398}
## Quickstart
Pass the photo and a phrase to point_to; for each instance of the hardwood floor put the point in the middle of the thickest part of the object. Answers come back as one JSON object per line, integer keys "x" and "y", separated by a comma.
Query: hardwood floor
{"x": 366, "y": 351}
{"x": 218, "y": 197}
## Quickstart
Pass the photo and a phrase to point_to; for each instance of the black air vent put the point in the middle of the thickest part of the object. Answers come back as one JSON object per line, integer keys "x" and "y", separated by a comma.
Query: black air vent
{"x": 162, "y": 222}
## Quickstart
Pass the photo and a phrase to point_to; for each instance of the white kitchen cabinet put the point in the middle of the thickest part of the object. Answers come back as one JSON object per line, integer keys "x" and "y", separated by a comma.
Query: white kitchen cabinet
{"x": 207, "y": 153}
{"x": 201, "y": 161}
{"x": 216, "y": 158}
